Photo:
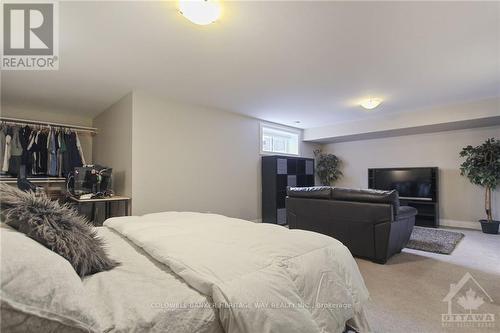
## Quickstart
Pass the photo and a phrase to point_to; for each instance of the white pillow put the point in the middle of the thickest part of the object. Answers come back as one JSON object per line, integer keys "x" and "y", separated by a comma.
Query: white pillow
{"x": 40, "y": 290}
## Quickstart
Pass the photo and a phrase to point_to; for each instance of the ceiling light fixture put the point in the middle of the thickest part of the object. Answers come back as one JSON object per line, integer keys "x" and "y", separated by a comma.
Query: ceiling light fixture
{"x": 371, "y": 103}
{"x": 200, "y": 12}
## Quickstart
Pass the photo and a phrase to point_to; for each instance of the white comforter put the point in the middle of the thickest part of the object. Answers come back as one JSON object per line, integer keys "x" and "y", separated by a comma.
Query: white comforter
{"x": 264, "y": 278}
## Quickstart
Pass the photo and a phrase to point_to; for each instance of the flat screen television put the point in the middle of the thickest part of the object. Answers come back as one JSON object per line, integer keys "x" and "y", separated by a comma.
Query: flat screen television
{"x": 411, "y": 183}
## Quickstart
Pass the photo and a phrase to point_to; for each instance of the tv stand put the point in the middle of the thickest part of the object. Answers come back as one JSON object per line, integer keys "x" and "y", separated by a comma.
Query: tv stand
{"x": 427, "y": 207}
{"x": 428, "y": 212}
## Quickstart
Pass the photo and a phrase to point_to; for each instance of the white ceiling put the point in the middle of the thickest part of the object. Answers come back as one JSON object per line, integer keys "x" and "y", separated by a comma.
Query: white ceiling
{"x": 278, "y": 61}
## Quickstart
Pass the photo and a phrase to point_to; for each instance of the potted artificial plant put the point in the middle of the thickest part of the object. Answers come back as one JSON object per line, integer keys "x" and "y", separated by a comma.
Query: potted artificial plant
{"x": 482, "y": 167}
{"x": 327, "y": 167}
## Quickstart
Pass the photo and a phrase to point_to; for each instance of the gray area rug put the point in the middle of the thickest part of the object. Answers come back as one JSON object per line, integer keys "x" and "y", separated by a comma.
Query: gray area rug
{"x": 434, "y": 240}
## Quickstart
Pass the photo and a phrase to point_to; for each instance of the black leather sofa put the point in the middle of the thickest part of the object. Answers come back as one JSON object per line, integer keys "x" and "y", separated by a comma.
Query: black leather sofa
{"x": 370, "y": 223}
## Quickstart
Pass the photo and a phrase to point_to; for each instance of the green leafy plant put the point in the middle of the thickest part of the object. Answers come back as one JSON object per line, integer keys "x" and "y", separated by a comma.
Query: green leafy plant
{"x": 482, "y": 167}
{"x": 327, "y": 167}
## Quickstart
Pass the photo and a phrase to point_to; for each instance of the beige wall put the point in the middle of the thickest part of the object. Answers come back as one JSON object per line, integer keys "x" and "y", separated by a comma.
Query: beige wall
{"x": 113, "y": 144}
{"x": 461, "y": 202}
{"x": 32, "y": 112}
{"x": 190, "y": 158}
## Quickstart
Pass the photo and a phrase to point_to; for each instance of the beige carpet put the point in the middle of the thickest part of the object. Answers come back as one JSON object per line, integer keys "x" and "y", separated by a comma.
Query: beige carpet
{"x": 407, "y": 293}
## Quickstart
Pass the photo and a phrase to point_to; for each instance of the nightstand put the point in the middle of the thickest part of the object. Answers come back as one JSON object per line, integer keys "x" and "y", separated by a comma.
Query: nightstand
{"x": 108, "y": 201}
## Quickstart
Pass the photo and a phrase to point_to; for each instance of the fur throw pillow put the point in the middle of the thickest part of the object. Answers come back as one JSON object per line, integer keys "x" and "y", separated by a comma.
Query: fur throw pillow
{"x": 57, "y": 227}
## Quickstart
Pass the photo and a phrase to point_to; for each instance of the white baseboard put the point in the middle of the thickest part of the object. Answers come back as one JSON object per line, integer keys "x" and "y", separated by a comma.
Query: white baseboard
{"x": 460, "y": 224}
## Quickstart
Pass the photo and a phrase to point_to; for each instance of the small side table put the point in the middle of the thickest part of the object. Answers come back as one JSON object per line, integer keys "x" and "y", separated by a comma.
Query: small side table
{"x": 107, "y": 203}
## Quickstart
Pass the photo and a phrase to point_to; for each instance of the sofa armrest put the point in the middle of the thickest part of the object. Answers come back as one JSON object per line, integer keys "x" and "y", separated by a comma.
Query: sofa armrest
{"x": 405, "y": 212}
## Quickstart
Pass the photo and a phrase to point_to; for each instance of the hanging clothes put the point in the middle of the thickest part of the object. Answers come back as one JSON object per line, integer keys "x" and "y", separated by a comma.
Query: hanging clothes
{"x": 52, "y": 154}
{"x": 16, "y": 152}
{"x": 6, "y": 157}
{"x": 60, "y": 153}
{"x": 43, "y": 150}
{"x": 73, "y": 153}
{"x": 66, "y": 155}
{"x": 80, "y": 151}
{"x": 2, "y": 145}
{"x": 24, "y": 137}
{"x": 56, "y": 141}
{"x": 42, "y": 153}
{"x": 34, "y": 150}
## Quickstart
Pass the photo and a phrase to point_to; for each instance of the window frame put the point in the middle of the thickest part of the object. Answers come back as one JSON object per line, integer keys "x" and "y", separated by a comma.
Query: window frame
{"x": 290, "y": 130}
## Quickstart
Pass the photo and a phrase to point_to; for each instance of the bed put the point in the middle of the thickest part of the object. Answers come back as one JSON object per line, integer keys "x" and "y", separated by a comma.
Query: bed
{"x": 144, "y": 295}
{"x": 193, "y": 272}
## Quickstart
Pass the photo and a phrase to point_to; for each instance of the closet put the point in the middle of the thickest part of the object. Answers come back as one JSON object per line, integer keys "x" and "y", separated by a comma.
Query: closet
{"x": 49, "y": 151}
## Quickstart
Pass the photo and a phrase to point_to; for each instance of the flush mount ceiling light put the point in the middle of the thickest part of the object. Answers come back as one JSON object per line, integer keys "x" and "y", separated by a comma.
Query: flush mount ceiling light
{"x": 371, "y": 103}
{"x": 200, "y": 12}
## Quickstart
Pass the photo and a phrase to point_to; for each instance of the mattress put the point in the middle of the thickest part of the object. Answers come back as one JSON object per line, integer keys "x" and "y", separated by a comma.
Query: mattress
{"x": 143, "y": 295}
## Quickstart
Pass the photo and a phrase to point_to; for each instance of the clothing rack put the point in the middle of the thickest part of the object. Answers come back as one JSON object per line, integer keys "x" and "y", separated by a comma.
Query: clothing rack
{"x": 15, "y": 121}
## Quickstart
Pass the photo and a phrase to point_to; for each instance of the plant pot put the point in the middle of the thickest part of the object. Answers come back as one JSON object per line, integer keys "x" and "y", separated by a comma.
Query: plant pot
{"x": 490, "y": 227}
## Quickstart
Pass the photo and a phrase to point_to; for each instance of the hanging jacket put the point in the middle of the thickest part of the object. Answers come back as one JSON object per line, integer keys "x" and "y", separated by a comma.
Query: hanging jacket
{"x": 42, "y": 153}
{"x": 33, "y": 149}
{"x": 2, "y": 146}
{"x": 80, "y": 150}
{"x": 16, "y": 152}
{"x": 52, "y": 154}
{"x": 26, "y": 158}
{"x": 60, "y": 153}
{"x": 66, "y": 155}
{"x": 74, "y": 155}
{"x": 6, "y": 157}
{"x": 16, "y": 149}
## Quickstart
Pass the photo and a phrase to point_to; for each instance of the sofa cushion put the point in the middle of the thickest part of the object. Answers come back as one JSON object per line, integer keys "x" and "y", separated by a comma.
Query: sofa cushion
{"x": 405, "y": 212}
{"x": 313, "y": 192}
{"x": 373, "y": 196}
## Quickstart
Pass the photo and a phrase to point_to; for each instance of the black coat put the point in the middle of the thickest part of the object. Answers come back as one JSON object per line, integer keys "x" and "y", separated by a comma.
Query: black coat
{"x": 24, "y": 137}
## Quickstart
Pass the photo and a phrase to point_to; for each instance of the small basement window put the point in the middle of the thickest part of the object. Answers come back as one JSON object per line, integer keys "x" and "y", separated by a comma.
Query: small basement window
{"x": 279, "y": 140}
